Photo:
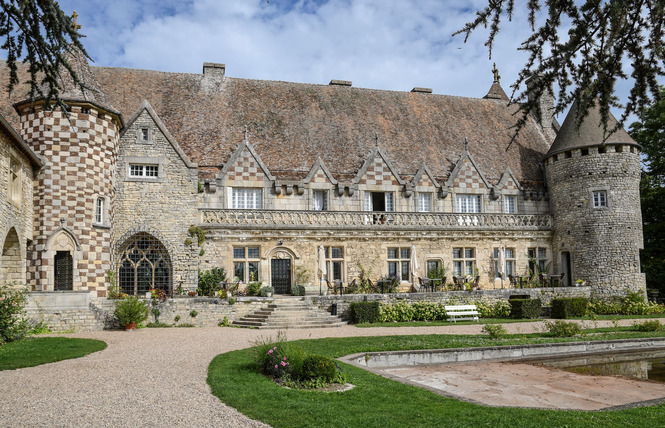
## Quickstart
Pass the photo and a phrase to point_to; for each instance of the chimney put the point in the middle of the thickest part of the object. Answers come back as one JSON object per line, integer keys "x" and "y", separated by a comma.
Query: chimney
{"x": 544, "y": 114}
{"x": 215, "y": 71}
{"x": 340, "y": 82}
{"x": 422, "y": 90}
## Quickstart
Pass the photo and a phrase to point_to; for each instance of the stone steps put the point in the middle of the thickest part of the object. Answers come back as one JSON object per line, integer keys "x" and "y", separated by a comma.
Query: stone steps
{"x": 289, "y": 314}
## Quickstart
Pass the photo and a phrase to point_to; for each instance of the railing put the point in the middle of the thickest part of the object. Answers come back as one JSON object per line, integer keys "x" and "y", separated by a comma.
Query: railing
{"x": 270, "y": 219}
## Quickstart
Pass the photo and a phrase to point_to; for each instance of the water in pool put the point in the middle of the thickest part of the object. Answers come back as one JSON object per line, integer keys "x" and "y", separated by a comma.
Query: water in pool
{"x": 648, "y": 365}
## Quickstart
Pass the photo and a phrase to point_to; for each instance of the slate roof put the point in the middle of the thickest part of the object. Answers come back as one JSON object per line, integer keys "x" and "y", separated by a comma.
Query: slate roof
{"x": 590, "y": 132}
{"x": 291, "y": 125}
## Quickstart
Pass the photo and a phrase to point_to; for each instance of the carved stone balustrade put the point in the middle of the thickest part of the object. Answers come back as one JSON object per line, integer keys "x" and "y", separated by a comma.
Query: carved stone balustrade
{"x": 348, "y": 220}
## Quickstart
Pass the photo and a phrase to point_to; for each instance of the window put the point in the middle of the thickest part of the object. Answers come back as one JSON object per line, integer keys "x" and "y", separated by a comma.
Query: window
{"x": 599, "y": 198}
{"x": 434, "y": 268}
{"x": 144, "y": 263}
{"x": 145, "y": 134}
{"x": 379, "y": 201}
{"x": 537, "y": 257}
{"x": 509, "y": 268}
{"x": 246, "y": 264}
{"x": 424, "y": 202}
{"x": 468, "y": 203}
{"x": 334, "y": 263}
{"x": 509, "y": 206}
{"x": 247, "y": 199}
{"x": 99, "y": 211}
{"x": 464, "y": 261}
{"x": 14, "y": 190}
{"x": 399, "y": 263}
{"x": 138, "y": 170}
{"x": 319, "y": 200}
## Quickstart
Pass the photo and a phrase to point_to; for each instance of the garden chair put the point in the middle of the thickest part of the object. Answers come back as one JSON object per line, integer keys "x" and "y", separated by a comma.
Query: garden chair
{"x": 476, "y": 281}
{"x": 424, "y": 283}
{"x": 513, "y": 281}
{"x": 457, "y": 282}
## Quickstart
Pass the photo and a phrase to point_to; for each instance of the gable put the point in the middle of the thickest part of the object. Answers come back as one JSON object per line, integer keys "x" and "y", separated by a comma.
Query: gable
{"x": 319, "y": 174}
{"x": 468, "y": 177}
{"x": 377, "y": 171}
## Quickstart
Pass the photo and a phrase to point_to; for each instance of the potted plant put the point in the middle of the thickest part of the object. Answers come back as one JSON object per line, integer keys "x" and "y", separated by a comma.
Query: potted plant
{"x": 266, "y": 291}
{"x": 131, "y": 311}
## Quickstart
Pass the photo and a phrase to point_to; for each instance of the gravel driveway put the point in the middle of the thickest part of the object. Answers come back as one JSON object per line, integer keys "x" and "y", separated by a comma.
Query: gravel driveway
{"x": 153, "y": 378}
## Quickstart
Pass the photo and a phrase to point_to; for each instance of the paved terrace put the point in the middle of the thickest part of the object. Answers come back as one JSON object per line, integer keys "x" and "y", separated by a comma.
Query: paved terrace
{"x": 156, "y": 377}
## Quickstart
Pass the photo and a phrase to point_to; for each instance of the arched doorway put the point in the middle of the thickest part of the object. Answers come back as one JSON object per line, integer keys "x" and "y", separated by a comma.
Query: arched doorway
{"x": 281, "y": 268}
{"x": 143, "y": 263}
{"x": 11, "y": 267}
{"x": 63, "y": 248}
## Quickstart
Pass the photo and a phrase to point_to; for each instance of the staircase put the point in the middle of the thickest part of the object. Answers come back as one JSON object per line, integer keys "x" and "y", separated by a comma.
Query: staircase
{"x": 289, "y": 313}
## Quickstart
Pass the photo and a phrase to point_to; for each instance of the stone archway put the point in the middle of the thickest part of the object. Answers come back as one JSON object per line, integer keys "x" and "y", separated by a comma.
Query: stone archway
{"x": 144, "y": 263}
{"x": 62, "y": 246}
{"x": 11, "y": 264}
{"x": 281, "y": 269}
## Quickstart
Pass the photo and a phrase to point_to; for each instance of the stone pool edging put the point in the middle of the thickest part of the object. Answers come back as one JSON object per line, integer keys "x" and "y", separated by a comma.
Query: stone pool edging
{"x": 371, "y": 360}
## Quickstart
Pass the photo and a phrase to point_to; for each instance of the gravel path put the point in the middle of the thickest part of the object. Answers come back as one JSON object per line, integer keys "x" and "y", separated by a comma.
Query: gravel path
{"x": 155, "y": 377}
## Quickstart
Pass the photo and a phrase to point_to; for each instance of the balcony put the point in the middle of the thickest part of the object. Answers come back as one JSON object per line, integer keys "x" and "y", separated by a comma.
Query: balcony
{"x": 349, "y": 220}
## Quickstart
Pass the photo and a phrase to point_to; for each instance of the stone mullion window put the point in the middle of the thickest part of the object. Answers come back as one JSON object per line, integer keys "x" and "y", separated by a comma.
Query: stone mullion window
{"x": 144, "y": 263}
{"x": 247, "y": 198}
{"x": 509, "y": 268}
{"x": 537, "y": 256}
{"x": 464, "y": 261}
{"x": 14, "y": 188}
{"x": 246, "y": 264}
{"x": 424, "y": 202}
{"x": 399, "y": 263}
{"x": 334, "y": 263}
{"x": 467, "y": 203}
{"x": 509, "y": 205}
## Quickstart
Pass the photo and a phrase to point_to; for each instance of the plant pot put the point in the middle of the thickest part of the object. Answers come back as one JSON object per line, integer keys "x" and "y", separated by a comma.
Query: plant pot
{"x": 131, "y": 326}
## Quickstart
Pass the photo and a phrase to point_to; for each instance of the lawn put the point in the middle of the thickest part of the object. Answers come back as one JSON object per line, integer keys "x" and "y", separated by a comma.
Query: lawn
{"x": 377, "y": 401}
{"x": 34, "y": 351}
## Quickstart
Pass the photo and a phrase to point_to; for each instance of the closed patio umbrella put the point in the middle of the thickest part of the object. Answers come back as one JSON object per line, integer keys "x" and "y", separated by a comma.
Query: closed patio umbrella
{"x": 322, "y": 266}
{"x": 502, "y": 263}
{"x": 414, "y": 265}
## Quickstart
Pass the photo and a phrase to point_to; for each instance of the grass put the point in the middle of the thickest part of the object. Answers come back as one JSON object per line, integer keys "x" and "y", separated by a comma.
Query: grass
{"x": 377, "y": 401}
{"x": 35, "y": 351}
{"x": 443, "y": 322}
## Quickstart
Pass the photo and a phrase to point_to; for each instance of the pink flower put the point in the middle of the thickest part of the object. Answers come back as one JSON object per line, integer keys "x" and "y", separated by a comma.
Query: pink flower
{"x": 283, "y": 364}
{"x": 284, "y": 358}
{"x": 275, "y": 348}
{"x": 275, "y": 365}
{"x": 270, "y": 352}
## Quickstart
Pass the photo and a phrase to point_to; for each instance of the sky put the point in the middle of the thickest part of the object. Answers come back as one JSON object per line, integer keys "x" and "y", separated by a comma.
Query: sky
{"x": 379, "y": 44}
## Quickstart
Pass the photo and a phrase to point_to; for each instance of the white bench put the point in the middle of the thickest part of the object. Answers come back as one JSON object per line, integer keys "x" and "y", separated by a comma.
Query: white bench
{"x": 462, "y": 312}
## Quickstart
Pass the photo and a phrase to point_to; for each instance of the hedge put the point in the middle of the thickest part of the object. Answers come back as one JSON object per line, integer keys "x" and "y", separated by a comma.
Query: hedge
{"x": 569, "y": 307}
{"x": 525, "y": 308}
{"x": 362, "y": 312}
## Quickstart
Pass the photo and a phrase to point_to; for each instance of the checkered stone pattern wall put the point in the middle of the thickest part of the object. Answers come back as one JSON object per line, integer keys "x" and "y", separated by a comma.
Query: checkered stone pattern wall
{"x": 320, "y": 178}
{"x": 510, "y": 185}
{"x": 245, "y": 168}
{"x": 468, "y": 178}
{"x": 80, "y": 153}
{"x": 378, "y": 174}
{"x": 425, "y": 183}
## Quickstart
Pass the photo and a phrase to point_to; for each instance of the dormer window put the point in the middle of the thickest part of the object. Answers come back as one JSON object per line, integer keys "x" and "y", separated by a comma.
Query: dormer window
{"x": 319, "y": 200}
{"x": 379, "y": 201}
{"x": 145, "y": 134}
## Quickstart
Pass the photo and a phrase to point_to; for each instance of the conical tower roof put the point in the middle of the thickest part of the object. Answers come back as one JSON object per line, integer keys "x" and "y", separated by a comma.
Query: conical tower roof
{"x": 590, "y": 132}
{"x": 87, "y": 91}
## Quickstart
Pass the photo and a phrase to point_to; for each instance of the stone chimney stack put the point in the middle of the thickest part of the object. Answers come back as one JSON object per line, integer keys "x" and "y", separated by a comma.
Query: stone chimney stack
{"x": 544, "y": 113}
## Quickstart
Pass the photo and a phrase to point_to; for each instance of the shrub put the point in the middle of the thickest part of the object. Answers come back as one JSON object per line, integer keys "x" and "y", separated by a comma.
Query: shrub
{"x": 362, "y": 312}
{"x": 525, "y": 308}
{"x": 648, "y": 325}
{"x": 569, "y": 307}
{"x": 319, "y": 367}
{"x": 253, "y": 288}
{"x": 13, "y": 324}
{"x": 496, "y": 331}
{"x": 131, "y": 310}
{"x": 560, "y": 328}
{"x": 156, "y": 313}
{"x": 297, "y": 290}
{"x": 176, "y": 318}
{"x": 500, "y": 309}
{"x": 210, "y": 281}
{"x": 624, "y": 307}
{"x": 265, "y": 291}
{"x": 224, "y": 322}
{"x": 417, "y": 311}
{"x": 193, "y": 313}
{"x": 232, "y": 301}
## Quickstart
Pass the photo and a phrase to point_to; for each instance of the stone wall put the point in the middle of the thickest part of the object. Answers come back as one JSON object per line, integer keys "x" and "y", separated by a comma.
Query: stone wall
{"x": 163, "y": 206}
{"x": 603, "y": 243}
{"x": 451, "y": 297}
{"x": 16, "y": 214}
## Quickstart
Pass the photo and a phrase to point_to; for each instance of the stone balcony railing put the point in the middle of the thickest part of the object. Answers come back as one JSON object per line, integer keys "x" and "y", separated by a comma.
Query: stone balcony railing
{"x": 345, "y": 220}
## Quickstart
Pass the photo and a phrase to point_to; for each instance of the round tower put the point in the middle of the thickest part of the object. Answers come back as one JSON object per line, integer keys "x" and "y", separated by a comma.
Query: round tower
{"x": 73, "y": 194}
{"x": 594, "y": 188}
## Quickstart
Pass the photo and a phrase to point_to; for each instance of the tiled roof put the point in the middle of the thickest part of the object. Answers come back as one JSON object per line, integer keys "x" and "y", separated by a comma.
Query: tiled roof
{"x": 589, "y": 133}
{"x": 291, "y": 125}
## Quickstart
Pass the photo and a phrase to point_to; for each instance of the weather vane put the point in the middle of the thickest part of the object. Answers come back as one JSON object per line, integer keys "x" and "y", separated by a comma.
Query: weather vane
{"x": 496, "y": 74}
{"x": 76, "y": 26}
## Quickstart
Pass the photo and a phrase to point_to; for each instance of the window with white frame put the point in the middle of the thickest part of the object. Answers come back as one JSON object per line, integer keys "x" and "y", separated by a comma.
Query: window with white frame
{"x": 424, "y": 202}
{"x": 247, "y": 198}
{"x": 509, "y": 206}
{"x": 99, "y": 211}
{"x": 467, "y": 203}
{"x": 334, "y": 263}
{"x": 143, "y": 170}
{"x": 379, "y": 201}
{"x": 537, "y": 257}
{"x": 399, "y": 263}
{"x": 246, "y": 264}
{"x": 14, "y": 190}
{"x": 599, "y": 198}
{"x": 464, "y": 261}
{"x": 509, "y": 267}
{"x": 320, "y": 200}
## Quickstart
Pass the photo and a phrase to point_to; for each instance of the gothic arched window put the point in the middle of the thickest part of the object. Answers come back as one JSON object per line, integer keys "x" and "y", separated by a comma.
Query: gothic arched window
{"x": 143, "y": 263}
